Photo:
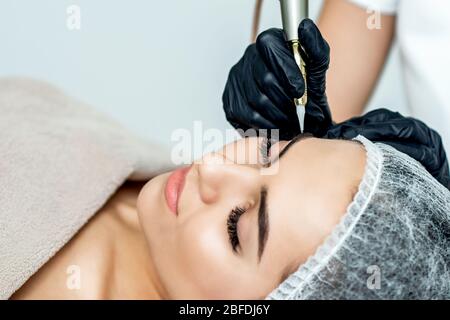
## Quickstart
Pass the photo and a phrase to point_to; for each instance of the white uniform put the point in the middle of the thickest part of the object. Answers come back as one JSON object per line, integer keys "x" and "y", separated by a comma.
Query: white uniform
{"x": 423, "y": 34}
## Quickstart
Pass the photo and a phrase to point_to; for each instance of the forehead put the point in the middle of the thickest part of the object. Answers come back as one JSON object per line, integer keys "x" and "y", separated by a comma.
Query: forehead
{"x": 306, "y": 199}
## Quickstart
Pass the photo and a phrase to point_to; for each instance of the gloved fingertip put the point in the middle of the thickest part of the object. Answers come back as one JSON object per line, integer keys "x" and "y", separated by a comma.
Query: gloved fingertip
{"x": 270, "y": 37}
{"x": 306, "y": 24}
{"x": 315, "y": 46}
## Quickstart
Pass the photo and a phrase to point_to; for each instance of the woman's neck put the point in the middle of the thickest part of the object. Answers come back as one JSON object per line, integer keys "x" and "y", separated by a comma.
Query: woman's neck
{"x": 108, "y": 259}
{"x": 133, "y": 275}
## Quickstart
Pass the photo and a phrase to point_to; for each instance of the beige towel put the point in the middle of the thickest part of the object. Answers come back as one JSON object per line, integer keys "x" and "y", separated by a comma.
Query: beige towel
{"x": 60, "y": 161}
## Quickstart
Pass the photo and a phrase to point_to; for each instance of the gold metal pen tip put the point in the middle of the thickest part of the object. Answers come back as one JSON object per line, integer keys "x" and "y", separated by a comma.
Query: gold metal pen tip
{"x": 301, "y": 102}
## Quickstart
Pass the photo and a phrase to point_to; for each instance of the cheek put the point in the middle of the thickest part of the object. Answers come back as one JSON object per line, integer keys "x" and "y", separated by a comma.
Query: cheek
{"x": 202, "y": 247}
{"x": 208, "y": 260}
{"x": 192, "y": 256}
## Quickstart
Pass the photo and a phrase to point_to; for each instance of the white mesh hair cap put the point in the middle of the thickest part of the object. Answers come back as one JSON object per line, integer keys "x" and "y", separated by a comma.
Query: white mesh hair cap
{"x": 392, "y": 243}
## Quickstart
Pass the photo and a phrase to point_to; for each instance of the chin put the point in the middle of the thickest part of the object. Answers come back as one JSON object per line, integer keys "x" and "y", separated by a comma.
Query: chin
{"x": 158, "y": 224}
{"x": 151, "y": 197}
{"x": 156, "y": 220}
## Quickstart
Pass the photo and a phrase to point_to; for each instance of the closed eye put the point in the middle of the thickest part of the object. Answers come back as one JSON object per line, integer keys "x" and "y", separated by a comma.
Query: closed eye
{"x": 232, "y": 225}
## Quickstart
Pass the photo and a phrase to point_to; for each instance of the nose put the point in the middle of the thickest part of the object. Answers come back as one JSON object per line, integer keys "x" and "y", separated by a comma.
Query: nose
{"x": 221, "y": 177}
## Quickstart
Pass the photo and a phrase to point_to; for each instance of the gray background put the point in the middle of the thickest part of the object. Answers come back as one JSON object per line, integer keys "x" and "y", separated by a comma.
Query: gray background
{"x": 155, "y": 66}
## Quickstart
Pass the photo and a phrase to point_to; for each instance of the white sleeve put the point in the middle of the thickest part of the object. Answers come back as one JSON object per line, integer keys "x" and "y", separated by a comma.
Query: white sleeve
{"x": 384, "y": 6}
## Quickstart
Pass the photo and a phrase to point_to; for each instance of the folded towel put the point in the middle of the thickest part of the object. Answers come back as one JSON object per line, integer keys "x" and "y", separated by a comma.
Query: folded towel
{"x": 60, "y": 161}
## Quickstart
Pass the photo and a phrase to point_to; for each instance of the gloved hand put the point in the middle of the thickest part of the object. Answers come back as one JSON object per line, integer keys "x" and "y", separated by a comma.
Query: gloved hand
{"x": 407, "y": 135}
{"x": 262, "y": 85}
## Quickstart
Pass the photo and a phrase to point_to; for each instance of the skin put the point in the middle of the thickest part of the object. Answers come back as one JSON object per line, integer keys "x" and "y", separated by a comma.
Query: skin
{"x": 111, "y": 253}
{"x": 136, "y": 248}
{"x": 358, "y": 55}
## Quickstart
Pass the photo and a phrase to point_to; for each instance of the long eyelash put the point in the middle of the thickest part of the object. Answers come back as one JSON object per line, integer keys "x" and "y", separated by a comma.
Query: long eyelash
{"x": 264, "y": 150}
{"x": 232, "y": 221}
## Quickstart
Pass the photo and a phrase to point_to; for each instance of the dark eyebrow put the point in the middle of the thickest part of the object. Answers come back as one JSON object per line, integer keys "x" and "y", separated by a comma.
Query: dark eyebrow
{"x": 263, "y": 222}
{"x": 298, "y": 138}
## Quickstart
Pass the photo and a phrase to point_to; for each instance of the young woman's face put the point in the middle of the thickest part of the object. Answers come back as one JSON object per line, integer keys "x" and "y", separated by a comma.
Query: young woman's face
{"x": 283, "y": 213}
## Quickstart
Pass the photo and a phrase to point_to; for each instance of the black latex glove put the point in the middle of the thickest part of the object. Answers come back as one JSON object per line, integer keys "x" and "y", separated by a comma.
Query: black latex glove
{"x": 407, "y": 135}
{"x": 262, "y": 85}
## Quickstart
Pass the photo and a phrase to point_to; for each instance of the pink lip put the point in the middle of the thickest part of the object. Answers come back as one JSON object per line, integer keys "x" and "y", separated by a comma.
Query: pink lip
{"x": 174, "y": 188}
